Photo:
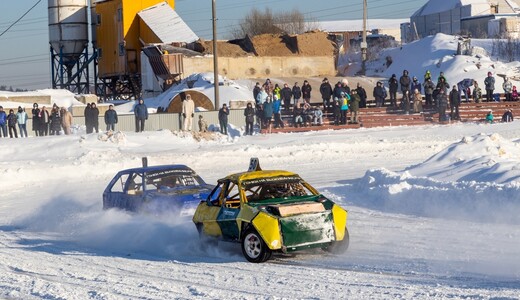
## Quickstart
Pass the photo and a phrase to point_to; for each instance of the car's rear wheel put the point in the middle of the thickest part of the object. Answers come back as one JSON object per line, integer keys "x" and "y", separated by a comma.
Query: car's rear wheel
{"x": 254, "y": 248}
{"x": 339, "y": 247}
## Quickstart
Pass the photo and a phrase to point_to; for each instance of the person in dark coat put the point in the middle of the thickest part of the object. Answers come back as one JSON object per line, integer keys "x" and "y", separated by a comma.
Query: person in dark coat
{"x": 455, "y": 103}
{"x": 94, "y": 115}
{"x": 405, "y": 83}
{"x": 249, "y": 113}
{"x": 297, "y": 93}
{"x": 256, "y": 90}
{"x": 111, "y": 118}
{"x": 442, "y": 84}
{"x": 429, "y": 87}
{"x": 338, "y": 89}
{"x": 286, "y": 94}
{"x": 378, "y": 94}
{"x": 141, "y": 114}
{"x": 326, "y": 92}
{"x": 362, "y": 96}
{"x": 306, "y": 91}
{"x": 393, "y": 84}
{"x": 416, "y": 85}
{"x": 55, "y": 121}
{"x": 443, "y": 105}
{"x": 88, "y": 118}
{"x": 507, "y": 116}
{"x": 223, "y": 114}
{"x": 35, "y": 119}
{"x": 12, "y": 120}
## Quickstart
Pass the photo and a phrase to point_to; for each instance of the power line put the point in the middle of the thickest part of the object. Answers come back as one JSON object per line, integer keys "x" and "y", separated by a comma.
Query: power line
{"x": 37, "y": 2}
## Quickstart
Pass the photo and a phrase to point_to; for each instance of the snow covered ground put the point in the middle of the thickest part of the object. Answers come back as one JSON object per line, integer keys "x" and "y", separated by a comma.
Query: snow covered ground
{"x": 433, "y": 214}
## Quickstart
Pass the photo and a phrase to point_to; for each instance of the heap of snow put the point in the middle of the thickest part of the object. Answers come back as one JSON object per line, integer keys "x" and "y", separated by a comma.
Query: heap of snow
{"x": 62, "y": 98}
{"x": 477, "y": 178}
{"x": 204, "y": 83}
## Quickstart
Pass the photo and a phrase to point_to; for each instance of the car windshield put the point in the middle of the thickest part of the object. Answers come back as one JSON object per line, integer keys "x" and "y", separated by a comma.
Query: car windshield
{"x": 168, "y": 179}
{"x": 271, "y": 188}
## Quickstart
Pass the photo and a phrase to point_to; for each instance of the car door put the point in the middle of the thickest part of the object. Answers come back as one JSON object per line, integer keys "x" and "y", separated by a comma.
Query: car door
{"x": 229, "y": 210}
{"x": 133, "y": 196}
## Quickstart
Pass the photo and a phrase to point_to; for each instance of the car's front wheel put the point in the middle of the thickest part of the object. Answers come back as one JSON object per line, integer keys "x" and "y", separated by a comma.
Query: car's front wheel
{"x": 254, "y": 248}
{"x": 339, "y": 247}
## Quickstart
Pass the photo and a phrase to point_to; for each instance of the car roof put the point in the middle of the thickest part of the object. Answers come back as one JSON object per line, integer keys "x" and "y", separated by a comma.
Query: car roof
{"x": 243, "y": 176}
{"x": 158, "y": 168}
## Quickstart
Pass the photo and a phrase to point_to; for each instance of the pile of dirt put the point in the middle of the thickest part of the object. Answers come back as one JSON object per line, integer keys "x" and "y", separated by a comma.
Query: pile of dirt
{"x": 315, "y": 43}
{"x": 225, "y": 49}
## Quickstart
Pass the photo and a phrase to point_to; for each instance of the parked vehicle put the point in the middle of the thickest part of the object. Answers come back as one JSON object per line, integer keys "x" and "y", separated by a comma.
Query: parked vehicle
{"x": 269, "y": 211}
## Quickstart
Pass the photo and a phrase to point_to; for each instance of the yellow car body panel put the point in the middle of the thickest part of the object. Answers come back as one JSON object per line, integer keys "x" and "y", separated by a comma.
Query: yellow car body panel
{"x": 268, "y": 228}
{"x": 207, "y": 216}
{"x": 340, "y": 221}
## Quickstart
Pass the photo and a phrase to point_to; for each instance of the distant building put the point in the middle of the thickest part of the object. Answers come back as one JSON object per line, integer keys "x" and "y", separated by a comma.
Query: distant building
{"x": 348, "y": 30}
{"x": 470, "y": 17}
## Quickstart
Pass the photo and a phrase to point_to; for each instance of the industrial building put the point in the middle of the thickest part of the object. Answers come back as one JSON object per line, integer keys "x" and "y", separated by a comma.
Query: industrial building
{"x": 120, "y": 29}
{"x": 468, "y": 17}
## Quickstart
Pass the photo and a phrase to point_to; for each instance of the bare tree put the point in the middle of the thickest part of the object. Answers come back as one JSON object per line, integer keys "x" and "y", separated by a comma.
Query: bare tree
{"x": 261, "y": 22}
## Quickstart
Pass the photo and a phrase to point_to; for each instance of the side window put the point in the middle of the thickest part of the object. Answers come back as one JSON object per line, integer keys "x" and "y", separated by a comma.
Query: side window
{"x": 232, "y": 196}
{"x": 119, "y": 185}
{"x": 215, "y": 195}
{"x": 135, "y": 184}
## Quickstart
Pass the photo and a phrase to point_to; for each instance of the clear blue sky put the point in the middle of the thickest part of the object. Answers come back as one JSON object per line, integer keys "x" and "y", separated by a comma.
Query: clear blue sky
{"x": 24, "y": 49}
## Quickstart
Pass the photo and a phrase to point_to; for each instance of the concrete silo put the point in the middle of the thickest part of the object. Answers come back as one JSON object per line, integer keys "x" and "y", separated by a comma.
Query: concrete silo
{"x": 68, "y": 38}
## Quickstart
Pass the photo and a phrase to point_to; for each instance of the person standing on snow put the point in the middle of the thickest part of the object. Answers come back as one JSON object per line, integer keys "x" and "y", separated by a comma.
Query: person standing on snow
{"x": 362, "y": 96}
{"x": 111, "y": 118}
{"x": 277, "y": 110}
{"x": 21, "y": 116}
{"x": 477, "y": 92}
{"x": 141, "y": 115}
{"x": 44, "y": 121}
{"x": 223, "y": 114}
{"x": 35, "y": 119}
{"x": 268, "y": 113}
{"x": 443, "y": 105}
{"x": 66, "y": 120}
{"x": 188, "y": 112}
{"x": 378, "y": 94}
{"x": 405, "y": 89}
{"x": 55, "y": 124}
{"x": 354, "y": 106}
{"x": 489, "y": 83}
{"x": 249, "y": 113}
{"x": 94, "y": 115}
{"x": 11, "y": 123}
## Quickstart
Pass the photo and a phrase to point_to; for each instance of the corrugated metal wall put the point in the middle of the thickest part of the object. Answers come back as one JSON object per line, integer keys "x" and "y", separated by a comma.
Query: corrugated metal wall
{"x": 163, "y": 121}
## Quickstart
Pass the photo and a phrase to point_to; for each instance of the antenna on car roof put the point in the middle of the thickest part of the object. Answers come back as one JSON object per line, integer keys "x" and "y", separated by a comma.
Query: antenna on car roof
{"x": 254, "y": 164}
{"x": 145, "y": 161}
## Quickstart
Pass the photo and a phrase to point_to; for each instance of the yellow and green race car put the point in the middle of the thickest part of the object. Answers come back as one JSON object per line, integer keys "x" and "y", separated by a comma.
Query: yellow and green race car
{"x": 270, "y": 211}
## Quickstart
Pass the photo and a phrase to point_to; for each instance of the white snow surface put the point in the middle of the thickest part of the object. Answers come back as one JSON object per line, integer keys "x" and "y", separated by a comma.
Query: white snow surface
{"x": 433, "y": 214}
{"x": 62, "y": 98}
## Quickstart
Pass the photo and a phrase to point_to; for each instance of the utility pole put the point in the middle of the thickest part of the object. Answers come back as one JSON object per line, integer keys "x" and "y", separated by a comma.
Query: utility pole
{"x": 215, "y": 56}
{"x": 364, "y": 43}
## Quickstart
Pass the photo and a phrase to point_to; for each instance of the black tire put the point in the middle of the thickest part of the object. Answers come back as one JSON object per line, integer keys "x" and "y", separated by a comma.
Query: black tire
{"x": 254, "y": 248}
{"x": 339, "y": 247}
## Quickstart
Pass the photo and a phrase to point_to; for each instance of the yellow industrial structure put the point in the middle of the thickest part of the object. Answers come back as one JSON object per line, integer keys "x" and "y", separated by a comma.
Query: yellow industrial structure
{"x": 124, "y": 29}
{"x": 121, "y": 35}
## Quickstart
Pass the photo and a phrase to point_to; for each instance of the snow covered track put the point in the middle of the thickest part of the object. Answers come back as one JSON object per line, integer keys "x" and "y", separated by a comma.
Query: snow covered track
{"x": 432, "y": 215}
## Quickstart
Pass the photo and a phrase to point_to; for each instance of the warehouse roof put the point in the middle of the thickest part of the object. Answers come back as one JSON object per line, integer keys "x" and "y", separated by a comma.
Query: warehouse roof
{"x": 167, "y": 24}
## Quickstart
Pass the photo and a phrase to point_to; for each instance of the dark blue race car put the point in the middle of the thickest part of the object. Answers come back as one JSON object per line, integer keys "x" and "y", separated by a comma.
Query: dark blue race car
{"x": 155, "y": 190}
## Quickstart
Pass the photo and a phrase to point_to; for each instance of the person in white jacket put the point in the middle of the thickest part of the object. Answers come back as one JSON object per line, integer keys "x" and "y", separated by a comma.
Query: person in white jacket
{"x": 188, "y": 111}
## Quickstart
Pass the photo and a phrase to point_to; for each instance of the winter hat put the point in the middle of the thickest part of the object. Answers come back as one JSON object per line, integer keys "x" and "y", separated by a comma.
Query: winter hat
{"x": 344, "y": 81}
{"x": 489, "y": 73}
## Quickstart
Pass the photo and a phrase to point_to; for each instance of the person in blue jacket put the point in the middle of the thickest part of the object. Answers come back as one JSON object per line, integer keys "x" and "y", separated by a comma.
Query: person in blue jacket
{"x": 141, "y": 114}
{"x": 277, "y": 110}
{"x": 3, "y": 122}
